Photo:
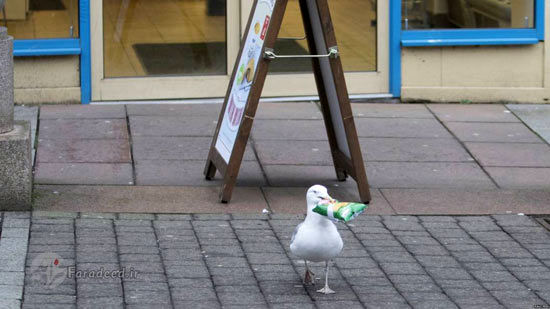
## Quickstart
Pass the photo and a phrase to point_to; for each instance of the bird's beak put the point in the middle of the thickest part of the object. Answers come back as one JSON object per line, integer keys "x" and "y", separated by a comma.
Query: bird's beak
{"x": 327, "y": 199}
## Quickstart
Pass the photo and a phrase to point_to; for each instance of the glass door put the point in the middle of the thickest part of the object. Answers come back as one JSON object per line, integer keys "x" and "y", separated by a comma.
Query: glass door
{"x": 362, "y": 32}
{"x": 150, "y": 49}
{"x": 170, "y": 49}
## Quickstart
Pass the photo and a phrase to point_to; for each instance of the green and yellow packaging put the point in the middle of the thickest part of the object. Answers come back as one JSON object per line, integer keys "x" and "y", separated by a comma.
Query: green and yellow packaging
{"x": 341, "y": 211}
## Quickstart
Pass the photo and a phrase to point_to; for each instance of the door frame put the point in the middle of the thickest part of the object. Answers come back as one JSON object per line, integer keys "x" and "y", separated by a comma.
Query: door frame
{"x": 92, "y": 69}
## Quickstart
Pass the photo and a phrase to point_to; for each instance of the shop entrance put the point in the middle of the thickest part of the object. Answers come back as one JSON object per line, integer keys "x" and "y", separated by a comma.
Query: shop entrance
{"x": 174, "y": 49}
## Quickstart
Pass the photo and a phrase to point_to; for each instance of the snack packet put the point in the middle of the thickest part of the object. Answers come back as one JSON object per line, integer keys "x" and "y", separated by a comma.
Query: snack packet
{"x": 340, "y": 211}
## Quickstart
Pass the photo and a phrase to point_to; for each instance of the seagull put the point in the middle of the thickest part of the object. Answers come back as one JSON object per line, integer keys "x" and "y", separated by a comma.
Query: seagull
{"x": 317, "y": 238}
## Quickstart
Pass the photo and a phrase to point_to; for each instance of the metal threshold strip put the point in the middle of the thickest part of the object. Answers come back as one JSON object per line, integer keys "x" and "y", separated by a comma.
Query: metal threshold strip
{"x": 220, "y": 100}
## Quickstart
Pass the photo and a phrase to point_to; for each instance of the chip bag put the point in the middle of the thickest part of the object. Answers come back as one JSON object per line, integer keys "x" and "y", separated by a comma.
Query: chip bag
{"x": 340, "y": 211}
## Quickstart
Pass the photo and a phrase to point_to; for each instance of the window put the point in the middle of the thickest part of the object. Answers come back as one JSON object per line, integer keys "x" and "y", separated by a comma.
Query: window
{"x": 471, "y": 22}
{"x": 41, "y": 19}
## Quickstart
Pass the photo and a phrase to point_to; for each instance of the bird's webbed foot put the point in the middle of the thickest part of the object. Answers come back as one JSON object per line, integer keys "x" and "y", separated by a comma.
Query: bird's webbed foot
{"x": 326, "y": 290}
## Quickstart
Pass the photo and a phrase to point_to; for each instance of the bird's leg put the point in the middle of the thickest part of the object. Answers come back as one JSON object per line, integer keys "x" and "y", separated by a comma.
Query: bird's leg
{"x": 326, "y": 289}
{"x": 309, "y": 278}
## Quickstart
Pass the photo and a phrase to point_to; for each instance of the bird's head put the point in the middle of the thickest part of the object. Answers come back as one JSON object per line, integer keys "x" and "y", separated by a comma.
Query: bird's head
{"x": 316, "y": 194}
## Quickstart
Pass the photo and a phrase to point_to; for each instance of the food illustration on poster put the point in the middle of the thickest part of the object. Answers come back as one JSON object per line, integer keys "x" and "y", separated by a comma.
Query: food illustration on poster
{"x": 244, "y": 78}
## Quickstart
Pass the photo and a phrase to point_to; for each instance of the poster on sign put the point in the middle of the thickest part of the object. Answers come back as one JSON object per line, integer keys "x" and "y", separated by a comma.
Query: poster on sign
{"x": 240, "y": 90}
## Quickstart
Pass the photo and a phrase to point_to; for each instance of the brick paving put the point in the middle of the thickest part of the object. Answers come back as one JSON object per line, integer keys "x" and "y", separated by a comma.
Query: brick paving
{"x": 243, "y": 261}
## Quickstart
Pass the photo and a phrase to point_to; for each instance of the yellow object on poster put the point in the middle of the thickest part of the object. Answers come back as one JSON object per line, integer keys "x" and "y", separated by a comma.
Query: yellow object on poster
{"x": 242, "y": 83}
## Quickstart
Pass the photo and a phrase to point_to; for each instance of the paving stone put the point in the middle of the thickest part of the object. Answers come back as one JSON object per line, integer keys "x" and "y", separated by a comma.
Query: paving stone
{"x": 190, "y": 173}
{"x": 188, "y": 293}
{"x": 453, "y": 201}
{"x": 45, "y": 299}
{"x": 402, "y": 268}
{"x": 339, "y": 304}
{"x": 535, "y": 116}
{"x": 241, "y": 298}
{"x": 88, "y": 290}
{"x": 437, "y": 261}
{"x": 11, "y": 278}
{"x": 413, "y": 150}
{"x": 100, "y": 215}
{"x": 15, "y": 232}
{"x": 175, "y": 148}
{"x": 488, "y": 276}
{"x": 83, "y": 173}
{"x": 82, "y": 111}
{"x": 11, "y": 291}
{"x": 427, "y": 175}
{"x": 83, "y": 151}
{"x": 289, "y": 129}
{"x": 15, "y": 222}
{"x": 511, "y": 154}
{"x": 448, "y": 273}
{"x": 388, "y": 110}
{"x": 504, "y": 286}
{"x": 400, "y": 127}
{"x": 290, "y": 110}
{"x": 520, "y": 178}
{"x": 493, "y": 132}
{"x": 290, "y": 152}
{"x": 473, "y": 256}
{"x": 472, "y": 113}
{"x": 172, "y": 125}
{"x": 196, "y": 304}
{"x": 83, "y": 129}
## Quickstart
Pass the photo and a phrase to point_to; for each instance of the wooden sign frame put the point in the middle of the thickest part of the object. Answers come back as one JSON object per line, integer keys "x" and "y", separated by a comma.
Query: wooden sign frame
{"x": 331, "y": 86}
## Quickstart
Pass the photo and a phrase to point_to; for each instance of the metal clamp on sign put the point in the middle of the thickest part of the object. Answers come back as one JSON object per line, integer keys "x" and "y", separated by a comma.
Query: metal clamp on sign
{"x": 333, "y": 52}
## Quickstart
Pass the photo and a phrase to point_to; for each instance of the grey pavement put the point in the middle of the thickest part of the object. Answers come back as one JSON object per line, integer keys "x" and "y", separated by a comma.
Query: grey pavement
{"x": 405, "y": 146}
{"x": 243, "y": 261}
{"x": 476, "y": 158}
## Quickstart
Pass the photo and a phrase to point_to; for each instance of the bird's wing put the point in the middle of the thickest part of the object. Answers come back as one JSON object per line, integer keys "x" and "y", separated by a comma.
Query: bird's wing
{"x": 295, "y": 232}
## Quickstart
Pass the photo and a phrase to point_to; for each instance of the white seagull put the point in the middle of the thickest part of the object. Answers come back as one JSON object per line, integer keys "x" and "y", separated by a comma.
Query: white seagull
{"x": 317, "y": 238}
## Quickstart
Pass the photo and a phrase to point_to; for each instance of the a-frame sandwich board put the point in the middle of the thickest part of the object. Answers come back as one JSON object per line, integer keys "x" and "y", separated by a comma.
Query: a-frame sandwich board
{"x": 247, "y": 81}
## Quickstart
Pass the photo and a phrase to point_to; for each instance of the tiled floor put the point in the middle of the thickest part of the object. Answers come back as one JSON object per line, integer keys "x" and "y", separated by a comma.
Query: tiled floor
{"x": 244, "y": 261}
{"x": 485, "y": 151}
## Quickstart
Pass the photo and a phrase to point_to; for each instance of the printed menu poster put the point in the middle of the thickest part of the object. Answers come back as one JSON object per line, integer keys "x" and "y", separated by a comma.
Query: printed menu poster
{"x": 244, "y": 78}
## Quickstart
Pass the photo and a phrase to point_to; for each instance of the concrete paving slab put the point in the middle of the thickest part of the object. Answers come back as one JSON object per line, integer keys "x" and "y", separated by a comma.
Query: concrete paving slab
{"x": 84, "y": 173}
{"x": 146, "y": 199}
{"x": 176, "y": 148}
{"x": 493, "y": 132}
{"x": 83, "y": 129}
{"x": 300, "y": 130}
{"x": 427, "y": 175}
{"x": 83, "y": 151}
{"x": 172, "y": 126}
{"x": 293, "y": 200}
{"x": 304, "y": 176}
{"x": 467, "y": 202}
{"x": 473, "y": 112}
{"x": 190, "y": 173}
{"x": 293, "y": 152}
{"x": 288, "y": 110}
{"x": 537, "y": 117}
{"x": 400, "y": 127}
{"x": 520, "y": 177}
{"x": 82, "y": 111}
{"x": 390, "y": 110}
{"x": 511, "y": 154}
{"x": 413, "y": 150}
{"x": 27, "y": 113}
{"x": 185, "y": 110}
